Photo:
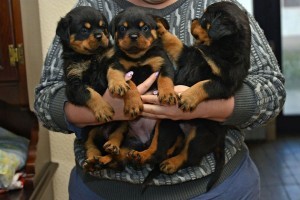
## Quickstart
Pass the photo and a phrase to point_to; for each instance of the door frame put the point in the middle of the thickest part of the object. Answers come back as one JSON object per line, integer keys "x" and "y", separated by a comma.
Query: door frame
{"x": 270, "y": 22}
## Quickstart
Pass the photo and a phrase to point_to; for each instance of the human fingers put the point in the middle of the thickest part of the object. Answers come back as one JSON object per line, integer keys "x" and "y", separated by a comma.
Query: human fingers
{"x": 128, "y": 75}
{"x": 150, "y": 99}
{"x": 180, "y": 88}
{"x": 145, "y": 86}
{"x": 161, "y": 112}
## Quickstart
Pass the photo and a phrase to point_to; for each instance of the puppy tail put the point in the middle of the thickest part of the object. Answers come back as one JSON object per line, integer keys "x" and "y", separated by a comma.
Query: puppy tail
{"x": 219, "y": 154}
{"x": 153, "y": 174}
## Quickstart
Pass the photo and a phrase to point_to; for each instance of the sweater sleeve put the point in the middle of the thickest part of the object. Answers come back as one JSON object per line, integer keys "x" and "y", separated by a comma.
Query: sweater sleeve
{"x": 263, "y": 94}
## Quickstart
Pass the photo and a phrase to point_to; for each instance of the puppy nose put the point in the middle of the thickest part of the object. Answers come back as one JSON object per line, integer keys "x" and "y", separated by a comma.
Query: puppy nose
{"x": 134, "y": 36}
{"x": 98, "y": 36}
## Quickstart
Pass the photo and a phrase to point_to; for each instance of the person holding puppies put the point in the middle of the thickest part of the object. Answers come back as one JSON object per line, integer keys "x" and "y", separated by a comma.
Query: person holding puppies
{"x": 259, "y": 100}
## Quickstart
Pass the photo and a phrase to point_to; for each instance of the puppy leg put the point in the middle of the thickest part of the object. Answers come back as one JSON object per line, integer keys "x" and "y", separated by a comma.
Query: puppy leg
{"x": 132, "y": 100}
{"x": 103, "y": 111}
{"x": 171, "y": 43}
{"x": 189, "y": 99}
{"x": 166, "y": 93}
{"x": 113, "y": 144}
{"x": 146, "y": 155}
{"x": 93, "y": 154}
{"x": 92, "y": 150}
{"x": 165, "y": 136}
{"x": 116, "y": 82}
{"x": 173, "y": 164}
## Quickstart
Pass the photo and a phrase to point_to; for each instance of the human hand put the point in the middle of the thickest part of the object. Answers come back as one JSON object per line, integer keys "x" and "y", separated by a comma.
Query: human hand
{"x": 218, "y": 110}
{"x": 118, "y": 103}
{"x": 81, "y": 116}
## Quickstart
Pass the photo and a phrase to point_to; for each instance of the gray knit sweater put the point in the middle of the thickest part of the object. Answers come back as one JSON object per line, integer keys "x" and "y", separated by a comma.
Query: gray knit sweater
{"x": 259, "y": 100}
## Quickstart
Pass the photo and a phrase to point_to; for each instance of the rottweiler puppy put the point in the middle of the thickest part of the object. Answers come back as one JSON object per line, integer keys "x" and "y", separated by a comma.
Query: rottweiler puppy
{"x": 138, "y": 49}
{"x": 214, "y": 68}
{"x": 87, "y": 53}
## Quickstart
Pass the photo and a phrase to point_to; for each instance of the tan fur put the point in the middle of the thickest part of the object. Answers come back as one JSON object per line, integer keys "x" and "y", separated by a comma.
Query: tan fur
{"x": 169, "y": 42}
{"x": 166, "y": 94}
{"x": 191, "y": 97}
{"x": 116, "y": 82}
{"x": 145, "y": 155}
{"x": 200, "y": 33}
{"x": 102, "y": 110}
{"x": 77, "y": 69}
{"x": 173, "y": 164}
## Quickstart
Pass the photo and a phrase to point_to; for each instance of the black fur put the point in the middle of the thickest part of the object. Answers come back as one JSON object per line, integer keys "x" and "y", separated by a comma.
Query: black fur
{"x": 228, "y": 48}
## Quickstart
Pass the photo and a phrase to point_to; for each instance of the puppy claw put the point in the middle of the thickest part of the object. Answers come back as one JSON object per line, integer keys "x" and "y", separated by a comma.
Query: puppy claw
{"x": 89, "y": 165}
{"x": 167, "y": 99}
{"x": 119, "y": 88}
{"x": 111, "y": 148}
{"x": 168, "y": 167}
{"x": 161, "y": 30}
{"x": 133, "y": 108}
{"x": 103, "y": 112}
{"x": 134, "y": 155}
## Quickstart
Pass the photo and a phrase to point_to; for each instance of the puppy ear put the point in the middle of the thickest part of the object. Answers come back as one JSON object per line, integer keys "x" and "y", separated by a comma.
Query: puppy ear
{"x": 63, "y": 28}
{"x": 218, "y": 30}
{"x": 162, "y": 20}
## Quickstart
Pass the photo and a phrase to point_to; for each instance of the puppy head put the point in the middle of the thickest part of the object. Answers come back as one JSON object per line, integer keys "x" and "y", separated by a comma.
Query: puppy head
{"x": 134, "y": 31}
{"x": 84, "y": 30}
{"x": 218, "y": 21}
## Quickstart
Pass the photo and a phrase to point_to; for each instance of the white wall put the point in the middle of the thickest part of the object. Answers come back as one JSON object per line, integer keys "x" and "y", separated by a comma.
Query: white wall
{"x": 61, "y": 145}
{"x": 248, "y": 4}
{"x": 290, "y": 17}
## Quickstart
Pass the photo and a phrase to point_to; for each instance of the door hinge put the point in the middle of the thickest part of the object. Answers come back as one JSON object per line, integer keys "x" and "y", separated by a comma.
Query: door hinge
{"x": 16, "y": 55}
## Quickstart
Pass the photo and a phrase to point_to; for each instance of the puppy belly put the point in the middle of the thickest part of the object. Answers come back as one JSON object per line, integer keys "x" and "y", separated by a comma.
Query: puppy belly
{"x": 142, "y": 128}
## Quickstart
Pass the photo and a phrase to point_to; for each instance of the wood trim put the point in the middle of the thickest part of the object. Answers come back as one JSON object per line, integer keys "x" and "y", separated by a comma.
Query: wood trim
{"x": 18, "y": 33}
{"x": 46, "y": 178}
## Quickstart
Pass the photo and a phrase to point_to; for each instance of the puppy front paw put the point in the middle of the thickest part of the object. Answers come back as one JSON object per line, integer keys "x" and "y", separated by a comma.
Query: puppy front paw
{"x": 118, "y": 87}
{"x": 133, "y": 107}
{"x": 103, "y": 112}
{"x": 161, "y": 30}
{"x": 187, "y": 103}
{"x": 167, "y": 97}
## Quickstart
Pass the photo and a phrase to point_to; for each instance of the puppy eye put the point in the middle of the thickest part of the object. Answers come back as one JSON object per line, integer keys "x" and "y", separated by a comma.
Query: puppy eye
{"x": 122, "y": 28}
{"x": 84, "y": 31}
{"x": 145, "y": 28}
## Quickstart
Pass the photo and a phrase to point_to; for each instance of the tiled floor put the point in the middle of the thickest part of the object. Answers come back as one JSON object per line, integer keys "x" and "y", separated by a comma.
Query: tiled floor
{"x": 279, "y": 165}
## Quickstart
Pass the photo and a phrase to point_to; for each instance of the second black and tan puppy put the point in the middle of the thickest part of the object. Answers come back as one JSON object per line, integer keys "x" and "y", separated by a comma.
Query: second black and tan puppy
{"x": 138, "y": 49}
{"x": 87, "y": 53}
{"x": 214, "y": 68}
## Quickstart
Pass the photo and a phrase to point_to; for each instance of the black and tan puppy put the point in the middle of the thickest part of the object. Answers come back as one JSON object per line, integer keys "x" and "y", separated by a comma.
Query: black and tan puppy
{"x": 84, "y": 36}
{"x": 138, "y": 49}
{"x": 214, "y": 68}
{"x": 87, "y": 53}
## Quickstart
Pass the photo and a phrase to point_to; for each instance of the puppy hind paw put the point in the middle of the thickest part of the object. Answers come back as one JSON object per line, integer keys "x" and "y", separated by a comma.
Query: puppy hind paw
{"x": 111, "y": 148}
{"x": 89, "y": 165}
{"x": 168, "y": 167}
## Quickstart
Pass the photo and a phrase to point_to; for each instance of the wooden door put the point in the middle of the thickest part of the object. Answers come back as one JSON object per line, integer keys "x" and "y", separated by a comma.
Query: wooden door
{"x": 13, "y": 83}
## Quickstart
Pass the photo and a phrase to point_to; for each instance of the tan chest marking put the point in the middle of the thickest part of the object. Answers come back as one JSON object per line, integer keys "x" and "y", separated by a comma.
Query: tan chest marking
{"x": 155, "y": 63}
